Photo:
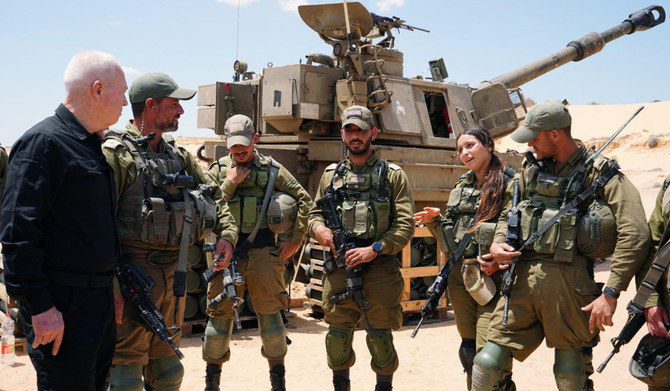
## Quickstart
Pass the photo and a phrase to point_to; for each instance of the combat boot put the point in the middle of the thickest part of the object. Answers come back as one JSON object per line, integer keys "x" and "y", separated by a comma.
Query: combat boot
{"x": 277, "y": 379}
{"x": 340, "y": 384}
{"x": 383, "y": 387}
{"x": 212, "y": 377}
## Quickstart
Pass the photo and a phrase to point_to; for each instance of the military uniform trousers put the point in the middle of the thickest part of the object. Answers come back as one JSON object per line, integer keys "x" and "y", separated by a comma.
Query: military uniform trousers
{"x": 472, "y": 319}
{"x": 263, "y": 274}
{"x": 136, "y": 344}
{"x": 382, "y": 287}
{"x": 546, "y": 301}
{"x": 85, "y": 355}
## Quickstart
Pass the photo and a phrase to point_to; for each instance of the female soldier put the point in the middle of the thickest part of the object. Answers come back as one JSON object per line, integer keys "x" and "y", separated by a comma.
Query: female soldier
{"x": 471, "y": 213}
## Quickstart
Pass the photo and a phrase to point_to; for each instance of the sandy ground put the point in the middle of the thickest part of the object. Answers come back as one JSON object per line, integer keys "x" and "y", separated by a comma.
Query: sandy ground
{"x": 430, "y": 361}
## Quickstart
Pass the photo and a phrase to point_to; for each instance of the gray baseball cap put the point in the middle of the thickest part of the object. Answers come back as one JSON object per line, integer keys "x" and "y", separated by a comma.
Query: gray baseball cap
{"x": 357, "y": 115}
{"x": 546, "y": 115}
{"x": 239, "y": 129}
{"x": 157, "y": 85}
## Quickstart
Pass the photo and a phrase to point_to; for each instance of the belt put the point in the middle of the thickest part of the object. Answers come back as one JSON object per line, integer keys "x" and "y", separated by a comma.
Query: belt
{"x": 81, "y": 280}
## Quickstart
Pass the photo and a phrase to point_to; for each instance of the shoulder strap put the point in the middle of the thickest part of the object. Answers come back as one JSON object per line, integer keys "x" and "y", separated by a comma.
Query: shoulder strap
{"x": 274, "y": 172}
{"x": 599, "y": 183}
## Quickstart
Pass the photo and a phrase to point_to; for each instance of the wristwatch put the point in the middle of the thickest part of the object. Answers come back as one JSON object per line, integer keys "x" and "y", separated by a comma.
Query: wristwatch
{"x": 610, "y": 292}
{"x": 377, "y": 247}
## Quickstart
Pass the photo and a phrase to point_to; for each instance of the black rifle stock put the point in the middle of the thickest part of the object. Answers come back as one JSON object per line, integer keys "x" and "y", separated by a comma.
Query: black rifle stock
{"x": 635, "y": 321}
{"x": 136, "y": 287}
{"x": 231, "y": 278}
{"x": 513, "y": 225}
{"x": 353, "y": 277}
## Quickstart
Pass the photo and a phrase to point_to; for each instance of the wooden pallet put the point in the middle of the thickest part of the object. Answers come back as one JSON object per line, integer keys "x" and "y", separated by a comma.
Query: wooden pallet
{"x": 406, "y": 270}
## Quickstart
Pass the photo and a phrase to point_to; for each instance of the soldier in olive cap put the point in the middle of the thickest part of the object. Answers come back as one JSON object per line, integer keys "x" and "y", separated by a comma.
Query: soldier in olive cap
{"x": 554, "y": 295}
{"x": 376, "y": 208}
{"x": 161, "y": 212}
{"x": 244, "y": 177}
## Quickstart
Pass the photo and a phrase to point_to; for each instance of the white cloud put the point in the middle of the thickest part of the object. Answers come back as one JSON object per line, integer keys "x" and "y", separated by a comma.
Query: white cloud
{"x": 386, "y": 5}
{"x": 291, "y": 5}
{"x": 116, "y": 23}
{"x": 130, "y": 70}
{"x": 235, "y": 2}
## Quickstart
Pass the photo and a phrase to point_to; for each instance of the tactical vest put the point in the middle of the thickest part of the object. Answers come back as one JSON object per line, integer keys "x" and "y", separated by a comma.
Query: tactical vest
{"x": 544, "y": 195}
{"x": 460, "y": 214}
{"x": 245, "y": 204}
{"x": 151, "y": 213}
{"x": 363, "y": 206}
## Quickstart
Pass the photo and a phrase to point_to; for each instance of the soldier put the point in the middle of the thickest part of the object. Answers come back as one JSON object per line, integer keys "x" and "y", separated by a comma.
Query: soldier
{"x": 244, "y": 176}
{"x": 160, "y": 214}
{"x": 471, "y": 214}
{"x": 375, "y": 207}
{"x": 554, "y": 289}
{"x": 656, "y": 311}
{"x": 59, "y": 239}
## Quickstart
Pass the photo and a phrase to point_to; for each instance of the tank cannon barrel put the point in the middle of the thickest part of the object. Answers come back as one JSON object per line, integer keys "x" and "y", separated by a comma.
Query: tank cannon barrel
{"x": 583, "y": 47}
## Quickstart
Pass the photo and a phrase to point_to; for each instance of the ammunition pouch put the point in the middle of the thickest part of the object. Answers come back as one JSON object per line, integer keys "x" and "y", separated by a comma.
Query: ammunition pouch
{"x": 596, "y": 231}
{"x": 649, "y": 362}
{"x": 558, "y": 240}
{"x": 483, "y": 236}
{"x": 159, "y": 223}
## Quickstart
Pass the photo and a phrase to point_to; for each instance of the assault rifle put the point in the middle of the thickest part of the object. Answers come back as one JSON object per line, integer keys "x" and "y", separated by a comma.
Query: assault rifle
{"x": 231, "y": 278}
{"x": 635, "y": 321}
{"x": 136, "y": 287}
{"x": 353, "y": 277}
{"x": 513, "y": 226}
{"x": 435, "y": 292}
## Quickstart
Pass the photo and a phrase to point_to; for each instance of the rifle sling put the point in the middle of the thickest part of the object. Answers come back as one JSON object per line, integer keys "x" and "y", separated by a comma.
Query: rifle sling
{"x": 648, "y": 285}
{"x": 599, "y": 183}
{"x": 274, "y": 172}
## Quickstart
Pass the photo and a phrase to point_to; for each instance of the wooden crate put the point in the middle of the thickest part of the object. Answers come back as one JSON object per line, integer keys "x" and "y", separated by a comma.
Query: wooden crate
{"x": 408, "y": 272}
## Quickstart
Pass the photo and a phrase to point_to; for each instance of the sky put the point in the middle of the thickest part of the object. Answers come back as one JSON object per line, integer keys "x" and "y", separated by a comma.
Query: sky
{"x": 197, "y": 41}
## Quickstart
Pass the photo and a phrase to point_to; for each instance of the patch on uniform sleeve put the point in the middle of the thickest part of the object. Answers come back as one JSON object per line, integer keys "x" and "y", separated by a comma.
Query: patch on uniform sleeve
{"x": 111, "y": 143}
{"x": 394, "y": 166}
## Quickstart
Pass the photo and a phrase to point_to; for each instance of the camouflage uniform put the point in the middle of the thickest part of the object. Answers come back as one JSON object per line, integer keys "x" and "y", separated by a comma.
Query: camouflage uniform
{"x": 472, "y": 319}
{"x": 553, "y": 279}
{"x": 262, "y": 269}
{"x": 382, "y": 281}
{"x": 136, "y": 345}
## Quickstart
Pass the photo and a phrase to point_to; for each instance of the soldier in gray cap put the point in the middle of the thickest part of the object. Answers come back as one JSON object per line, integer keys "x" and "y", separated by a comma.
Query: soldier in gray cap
{"x": 245, "y": 177}
{"x": 554, "y": 295}
{"x": 161, "y": 212}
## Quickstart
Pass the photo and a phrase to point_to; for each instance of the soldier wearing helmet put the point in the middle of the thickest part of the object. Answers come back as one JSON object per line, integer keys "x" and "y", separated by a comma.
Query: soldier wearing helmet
{"x": 244, "y": 177}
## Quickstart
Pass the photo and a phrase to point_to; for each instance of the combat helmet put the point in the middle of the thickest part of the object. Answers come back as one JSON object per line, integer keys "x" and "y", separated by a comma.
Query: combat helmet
{"x": 282, "y": 212}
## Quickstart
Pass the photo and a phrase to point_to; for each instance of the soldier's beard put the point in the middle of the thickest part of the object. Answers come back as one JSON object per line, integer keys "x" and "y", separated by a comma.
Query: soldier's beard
{"x": 363, "y": 149}
{"x": 168, "y": 126}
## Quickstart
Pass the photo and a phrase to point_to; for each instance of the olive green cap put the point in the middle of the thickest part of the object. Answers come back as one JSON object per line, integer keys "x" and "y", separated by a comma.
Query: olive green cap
{"x": 547, "y": 115}
{"x": 357, "y": 115}
{"x": 157, "y": 85}
{"x": 239, "y": 129}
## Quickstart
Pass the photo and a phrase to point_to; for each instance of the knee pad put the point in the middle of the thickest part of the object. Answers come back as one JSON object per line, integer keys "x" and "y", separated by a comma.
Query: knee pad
{"x": 215, "y": 349}
{"x": 384, "y": 358}
{"x": 488, "y": 366}
{"x": 164, "y": 374}
{"x": 273, "y": 336}
{"x": 569, "y": 369}
{"x": 338, "y": 348}
{"x": 466, "y": 353}
{"x": 126, "y": 378}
